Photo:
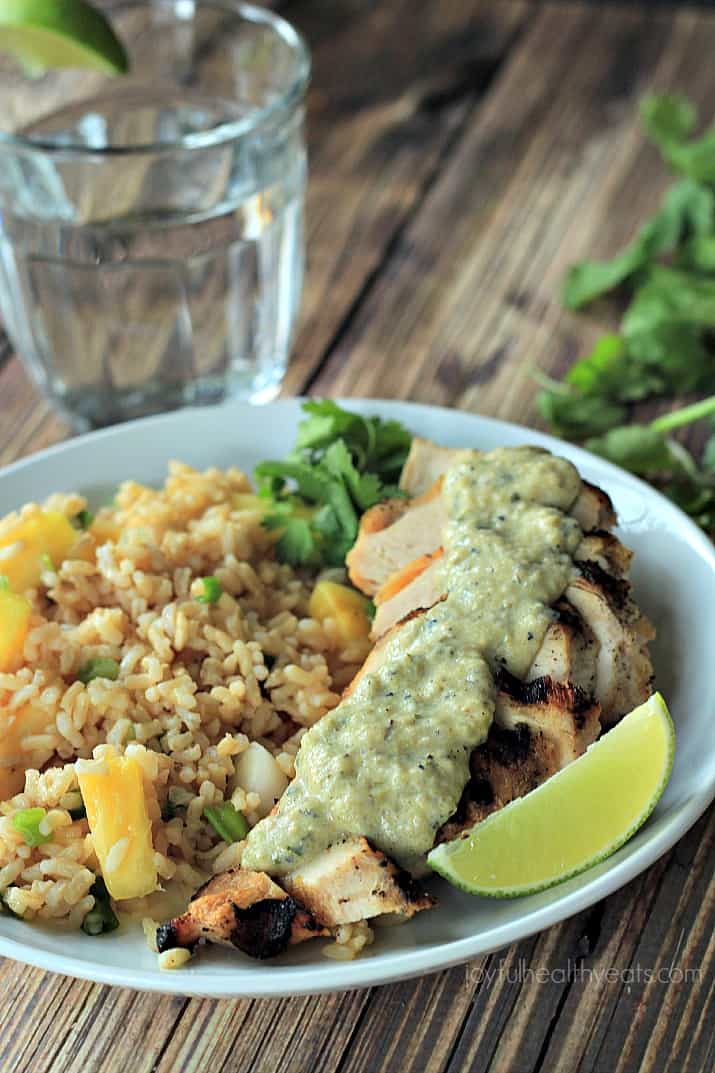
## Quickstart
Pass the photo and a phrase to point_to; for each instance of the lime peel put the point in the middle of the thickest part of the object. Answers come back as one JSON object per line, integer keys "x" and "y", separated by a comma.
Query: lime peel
{"x": 48, "y": 34}
{"x": 575, "y": 819}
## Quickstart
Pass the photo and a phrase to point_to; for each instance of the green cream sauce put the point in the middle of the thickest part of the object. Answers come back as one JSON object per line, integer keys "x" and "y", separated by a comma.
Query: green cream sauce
{"x": 391, "y": 761}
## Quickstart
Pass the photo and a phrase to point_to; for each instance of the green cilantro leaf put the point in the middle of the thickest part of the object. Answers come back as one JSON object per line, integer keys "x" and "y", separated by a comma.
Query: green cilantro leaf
{"x": 668, "y": 118}
{"x": 576, "y": 416}
{"x": 638, "y": 448}
{"x": 364, "y": 488}
{"x": 342, "y": 465}
{"x": 687, "y": 209}
{"x": 666, "y": 344}
{"x": 325, "y": 423}
{"x": 296, "y": 544}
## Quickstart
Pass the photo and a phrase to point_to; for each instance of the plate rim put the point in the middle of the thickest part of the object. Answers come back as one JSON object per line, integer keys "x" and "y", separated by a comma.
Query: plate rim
{"x": 286, "y": 980}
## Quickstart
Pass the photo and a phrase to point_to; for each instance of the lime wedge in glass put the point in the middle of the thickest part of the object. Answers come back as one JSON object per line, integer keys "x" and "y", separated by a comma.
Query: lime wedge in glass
{"x": 576, "y": 818}
{"x": 47, "y": 34}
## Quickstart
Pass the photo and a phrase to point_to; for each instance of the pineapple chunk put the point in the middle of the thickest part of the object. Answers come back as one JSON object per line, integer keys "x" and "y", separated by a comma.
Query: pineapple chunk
{"x": 14, "y": 623}
{"x": 113, "y": 796}
{"x": 23, "y": 547}
{"x": 349, "y": 609}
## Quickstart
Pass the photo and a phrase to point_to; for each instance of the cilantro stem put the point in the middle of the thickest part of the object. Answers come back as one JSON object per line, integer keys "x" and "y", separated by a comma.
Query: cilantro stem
{"x": 548, "y": 383}
{"x": 685, "y": 416}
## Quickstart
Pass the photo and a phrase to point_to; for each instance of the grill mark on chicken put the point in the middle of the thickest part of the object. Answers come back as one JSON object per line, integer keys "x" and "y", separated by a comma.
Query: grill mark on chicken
{"x": 509, "y": 764}
{"x": 544, "y": 691}
{"x": 510, "y": 747}
{"x": 243, "y": 909}
{"x": 615, "y": 588}
{"x": 605, "y": 550}
{"x": 540, "y": 725}
{"x": 353, "y": 880}
{"x": 566, "y": 615}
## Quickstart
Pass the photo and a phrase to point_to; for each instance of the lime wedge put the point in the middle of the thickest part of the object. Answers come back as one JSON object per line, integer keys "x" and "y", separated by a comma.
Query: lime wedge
{"x": 46, "y": 34}
{"x": 573, "y": 820}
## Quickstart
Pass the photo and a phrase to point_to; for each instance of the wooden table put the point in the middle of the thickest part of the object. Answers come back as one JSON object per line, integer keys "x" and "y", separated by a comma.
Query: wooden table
{"x": 463, "y": 153}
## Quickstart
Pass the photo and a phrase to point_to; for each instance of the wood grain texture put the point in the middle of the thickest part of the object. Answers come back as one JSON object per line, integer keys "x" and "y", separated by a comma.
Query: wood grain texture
{"x": 552, "y": 166}
{"x": 462, "y": 155}
{"x": 392, "y": 87}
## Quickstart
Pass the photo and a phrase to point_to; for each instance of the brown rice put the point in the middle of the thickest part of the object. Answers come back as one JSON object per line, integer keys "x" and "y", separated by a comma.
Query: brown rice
{"x": 197, "y": 683}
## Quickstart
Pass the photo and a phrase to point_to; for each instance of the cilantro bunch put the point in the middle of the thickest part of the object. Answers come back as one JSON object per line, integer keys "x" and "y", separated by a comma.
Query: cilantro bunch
{"x": 342, "y": 464}
{"x": 666, "y": 344}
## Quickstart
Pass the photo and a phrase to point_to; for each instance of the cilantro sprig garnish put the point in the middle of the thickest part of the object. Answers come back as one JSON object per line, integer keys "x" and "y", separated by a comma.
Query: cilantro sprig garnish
{"x": 342, "y": 465}
{"x": 666, "y": 344}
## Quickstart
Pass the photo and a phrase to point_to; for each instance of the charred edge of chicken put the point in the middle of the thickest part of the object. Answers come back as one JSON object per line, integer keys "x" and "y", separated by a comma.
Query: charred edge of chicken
{"x": 414, "y": 893}
{"x": 616, "y": 589}
{"x": 544, "y": 691}
{"x": 510, "y": 748}
{"x": 261, "y": 931}
{"x": 606, "y": 511}
{"x": 567, "y": 615}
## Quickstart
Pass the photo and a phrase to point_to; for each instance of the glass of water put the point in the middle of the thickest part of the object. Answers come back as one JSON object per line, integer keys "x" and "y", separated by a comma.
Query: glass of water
{"x": 151, "y": 224}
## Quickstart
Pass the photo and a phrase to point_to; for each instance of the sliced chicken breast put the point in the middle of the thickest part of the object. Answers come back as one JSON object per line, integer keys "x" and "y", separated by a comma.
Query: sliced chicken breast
{"x": 423, "y": 592}
{"x": 426, "y": 463}
{"x": 624, "y": 672}
{"x": 243, "y": 909}
{"x": 248, "y": 910}
{"x": 539, "y": 727}
{"x": 394, "y": 534}
{"x": 606, "y": 551}
{"x": 562, "y": 712}
{"x": 351, "y": 881}
{"x": 568, "y": 652}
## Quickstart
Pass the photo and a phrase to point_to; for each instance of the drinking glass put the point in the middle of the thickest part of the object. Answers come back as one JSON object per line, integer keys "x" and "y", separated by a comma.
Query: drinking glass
{"x": 151, "y": 224}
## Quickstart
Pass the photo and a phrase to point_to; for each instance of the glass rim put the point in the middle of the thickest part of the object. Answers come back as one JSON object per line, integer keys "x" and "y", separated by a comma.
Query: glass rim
{"x": 215, "y": 136}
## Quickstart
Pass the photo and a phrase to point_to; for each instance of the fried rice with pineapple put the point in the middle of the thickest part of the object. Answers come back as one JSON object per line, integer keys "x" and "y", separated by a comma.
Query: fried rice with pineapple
{"x": 164, "y": 646}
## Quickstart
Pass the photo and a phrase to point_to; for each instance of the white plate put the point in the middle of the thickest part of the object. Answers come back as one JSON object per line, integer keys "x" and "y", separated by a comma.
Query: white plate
{"x": 674, "y": 578}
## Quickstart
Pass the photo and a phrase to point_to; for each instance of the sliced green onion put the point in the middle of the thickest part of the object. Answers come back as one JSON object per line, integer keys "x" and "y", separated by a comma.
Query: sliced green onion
{"x": 212, "y": 590}
{"x": 83, "y": 519}
{"x": 370, "y": 609}
{"x": 101, "y": 918}
{"x": 101, "y": 667}
{"x": 4, "y": 583}
{"x": 228, "y": 823}
{"x": 27, "y": 821}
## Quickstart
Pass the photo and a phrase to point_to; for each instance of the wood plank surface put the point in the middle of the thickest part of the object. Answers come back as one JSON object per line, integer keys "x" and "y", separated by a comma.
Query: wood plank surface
{"x": 380, "y": 124}
{"x": 462, "y": 155}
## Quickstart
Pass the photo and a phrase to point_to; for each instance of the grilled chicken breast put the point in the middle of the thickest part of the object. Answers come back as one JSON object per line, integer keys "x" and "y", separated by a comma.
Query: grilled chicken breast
{"x": 243, "y": 909}
{"x": 352, "y": 881}
{"x": 602, "y": 646}
{"x": 592, "y": 667}
{"x": 538, "y": 728}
